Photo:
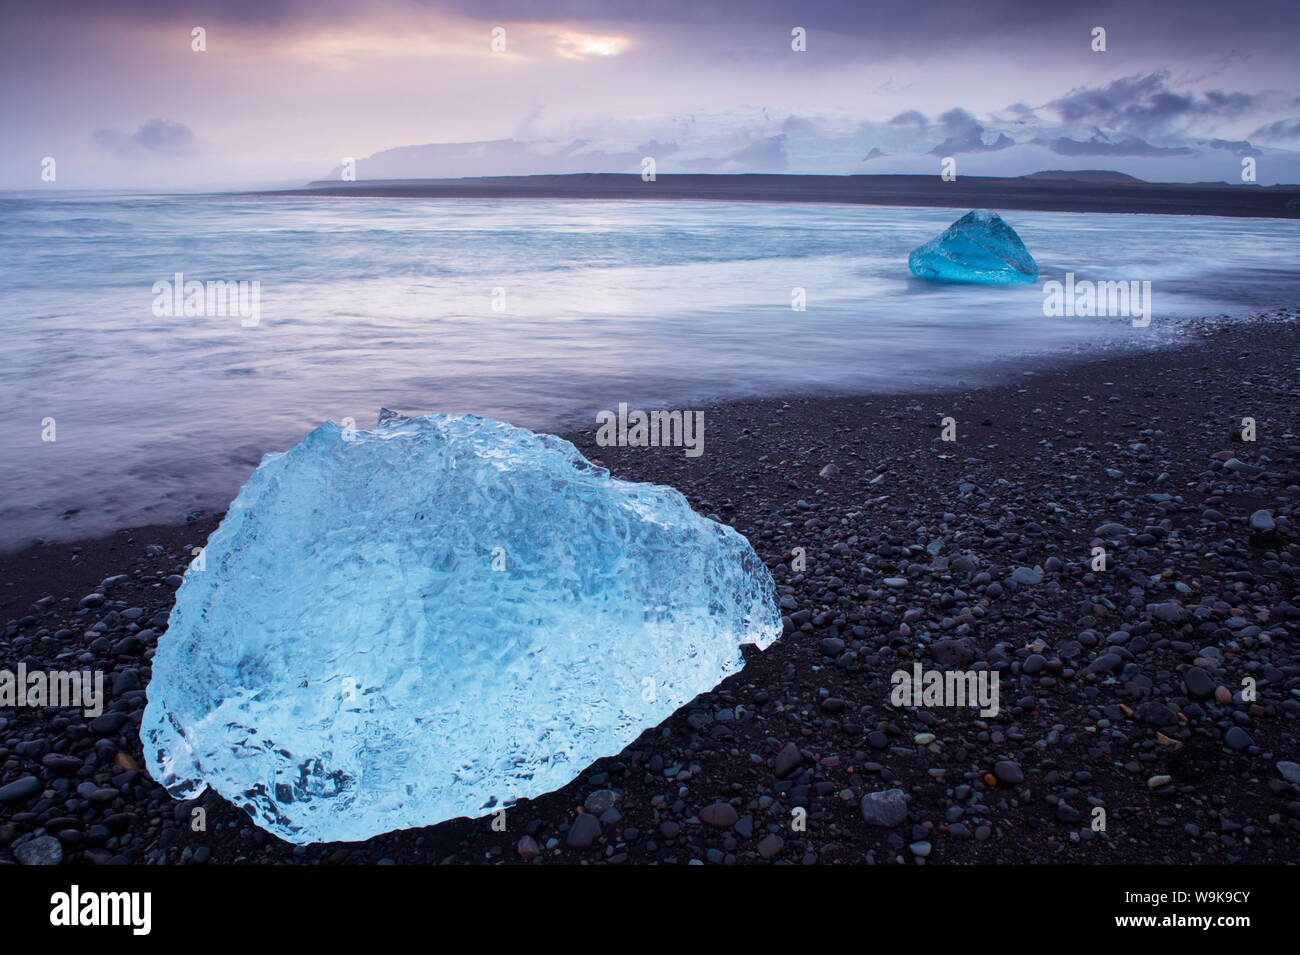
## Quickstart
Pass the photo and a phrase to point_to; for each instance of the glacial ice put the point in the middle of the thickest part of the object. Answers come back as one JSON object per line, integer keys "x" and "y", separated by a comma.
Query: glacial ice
{"x": 978, "y": 247}
{"x": 433, "y": 618}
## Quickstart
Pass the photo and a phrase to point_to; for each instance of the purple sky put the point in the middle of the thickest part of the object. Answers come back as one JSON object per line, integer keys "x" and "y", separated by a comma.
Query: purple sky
{"x": 285, "y": 90}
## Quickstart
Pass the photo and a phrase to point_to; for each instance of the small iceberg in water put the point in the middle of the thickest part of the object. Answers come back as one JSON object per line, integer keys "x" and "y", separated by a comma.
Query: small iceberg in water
{"x": 978, "y": 247}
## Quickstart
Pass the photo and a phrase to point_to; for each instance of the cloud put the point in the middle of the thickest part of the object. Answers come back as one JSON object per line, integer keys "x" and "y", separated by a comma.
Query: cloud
{"x": 898, "y": 23}
{"x": 657, "y": 149}
{"x": 799, "y": 126}
{"x": 1283, "y": 130}
{"x": 910, "y": 117}
{"x": 766, "y": 155}
{"x": 1132, "y": 146}
{"x": 525, "y": 128}
{"x": 158, "y": 136}
{"x": 1146, "y": 105}
{"x": 581, "y": 46}
{"x": 1238, "y": 147}
{"x": 965, "y": 134}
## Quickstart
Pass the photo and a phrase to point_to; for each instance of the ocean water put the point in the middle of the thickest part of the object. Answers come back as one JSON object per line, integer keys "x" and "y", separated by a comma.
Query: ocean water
{"x": 538, "y": 312}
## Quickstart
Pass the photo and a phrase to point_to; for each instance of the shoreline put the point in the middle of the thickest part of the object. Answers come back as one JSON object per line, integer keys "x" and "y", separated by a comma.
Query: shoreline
{"x": 968, "y": 192}
{"x": 1097, "y": 696}
{"x": 571, "y": 424}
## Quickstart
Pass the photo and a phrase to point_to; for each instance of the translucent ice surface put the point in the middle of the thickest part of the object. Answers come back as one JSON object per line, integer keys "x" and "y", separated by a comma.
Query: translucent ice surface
{"x": 978, "y": 247}
{"x": 433, "y": 618}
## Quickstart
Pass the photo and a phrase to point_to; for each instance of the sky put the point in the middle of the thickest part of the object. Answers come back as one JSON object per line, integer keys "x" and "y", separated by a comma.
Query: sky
{"x": 282, "y": 91}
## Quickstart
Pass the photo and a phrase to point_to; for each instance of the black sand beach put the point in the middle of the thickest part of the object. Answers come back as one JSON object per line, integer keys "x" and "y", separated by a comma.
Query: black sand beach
{"x": 1121, "y": 689}
{"x": 965, "y": 192}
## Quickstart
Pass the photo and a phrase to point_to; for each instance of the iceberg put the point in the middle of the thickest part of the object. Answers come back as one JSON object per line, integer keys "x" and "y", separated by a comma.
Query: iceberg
{"x": 434, "y": 618}
{"x": 978, "y": 247}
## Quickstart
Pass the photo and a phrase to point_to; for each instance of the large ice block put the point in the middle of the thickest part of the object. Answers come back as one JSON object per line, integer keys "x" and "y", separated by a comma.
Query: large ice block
{"x": 430, "y": 619}
{"x": 978, "y": 247}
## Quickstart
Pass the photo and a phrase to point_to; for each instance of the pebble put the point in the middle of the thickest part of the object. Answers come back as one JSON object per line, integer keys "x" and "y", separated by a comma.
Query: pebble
{"x": 1198, "y": 683}
{"x": 1027, "y": 575}
{"x": 584, "y": 831}
{"x": 1263, "y": 522}
{"x": 1238, "y": 739}
{"x": 43, "y": 850}
{"x": 1009, "y": 772}
{"x": 20, "y": 789}
{"x": 1168, "y": 611}
{"x": 600, "y": 801}
{"x": 1242, "y": 468}
{"x": 886, "y": 808}
{"x": 720, "y": 815}
{"x": 787, "y": 760}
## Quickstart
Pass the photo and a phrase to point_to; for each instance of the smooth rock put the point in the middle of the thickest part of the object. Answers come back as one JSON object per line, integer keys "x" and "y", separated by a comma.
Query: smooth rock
{"x": 43, "y": 850}
{"x": 19, "y": 789}
{"x": 584, "y": 831}
{"x": 886, "y": 807}
{"x": 1009, "y": 772}
{"x": 720, "y": 815}
{"x": 787, "y": 760}
{"x": 1263, "y": 522}
{"x": 1198, "y": 683}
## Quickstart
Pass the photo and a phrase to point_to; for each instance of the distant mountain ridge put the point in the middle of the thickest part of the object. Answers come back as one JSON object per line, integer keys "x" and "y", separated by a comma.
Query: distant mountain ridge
{"x": 704, "y": 145}
{"x": 969, "y": 192}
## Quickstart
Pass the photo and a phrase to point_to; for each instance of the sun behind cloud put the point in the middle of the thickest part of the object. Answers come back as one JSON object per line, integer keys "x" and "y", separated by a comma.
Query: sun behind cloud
{"x": 581, "y": 46}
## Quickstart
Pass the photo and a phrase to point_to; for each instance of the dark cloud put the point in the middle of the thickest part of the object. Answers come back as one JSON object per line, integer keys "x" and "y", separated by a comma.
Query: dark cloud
{"x": 1283, "y": 130}
{"x": 1132, "y": 146}
{"x": 1145, "y": 105}
{"x": 1017, "y": 113}
{"x": 1238, "y": 147}
{"x": 910, "y": 117}
{"x": 158, "y": 136}
{"x": 965, "y": 134}
{"x": 657, "y": 149}
{"x": 900, "y": 25}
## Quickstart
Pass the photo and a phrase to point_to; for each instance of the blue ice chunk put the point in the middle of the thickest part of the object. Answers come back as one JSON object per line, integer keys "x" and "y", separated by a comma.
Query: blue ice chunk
{"x": 434, "y": 618}
{"x": 978, "y": 247}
